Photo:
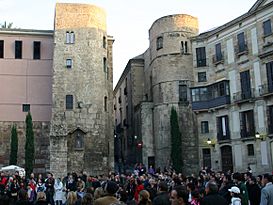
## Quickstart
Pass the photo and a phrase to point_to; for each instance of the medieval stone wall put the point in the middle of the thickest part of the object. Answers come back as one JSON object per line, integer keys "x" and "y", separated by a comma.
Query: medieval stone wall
{"x": 167, "y": 66}
{"x": 41, "y": 143}
{"x": 90, "y": 82}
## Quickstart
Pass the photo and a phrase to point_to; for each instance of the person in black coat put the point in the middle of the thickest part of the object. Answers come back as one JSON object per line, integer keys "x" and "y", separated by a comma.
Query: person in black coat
{"x": 254, "y": 192}
{"x": 22, "y": 198}
{"x": 212, "y": 197}
{"x": 162, "y": 198}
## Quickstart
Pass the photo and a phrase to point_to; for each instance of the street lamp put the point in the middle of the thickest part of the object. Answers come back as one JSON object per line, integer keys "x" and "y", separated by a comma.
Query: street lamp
{"x": 210, "y": 143}
{"x": 257, "y": 135}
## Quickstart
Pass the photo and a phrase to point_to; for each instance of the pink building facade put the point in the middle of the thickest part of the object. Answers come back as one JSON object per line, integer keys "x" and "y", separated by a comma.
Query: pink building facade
{"x": 26, "y": 58}
{"x": 26, "y": 81}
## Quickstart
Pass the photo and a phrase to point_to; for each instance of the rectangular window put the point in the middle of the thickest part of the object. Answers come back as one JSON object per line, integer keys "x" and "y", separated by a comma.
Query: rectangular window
{"x": 204, "y": 127}
{"x": 201, "y": 56}
{"x": 18, "y": 49}
{"x": 26, "y": 107}
{"x": 241, "y": 42}
{"x": 250, "y": 150}
{"x": 222, "y": 128}
{"x": 104, "y": 42}
{"x": 1, "y": 49}
{"x": 218, "y": 52}
{"x": 69, "y": 102}
{"x": 68, "y": 63}
{"x": 183, "y": 97}
{"x": 202, "y": 77}
{"x": 245, "y": 85}
{"x": 269, "y": 72}
{"x": 104, "y": 65}
{"x": 105, "y": 104}
{"x": 36, "y": 50}
{"x": 247, "y": 124}
{"x": 267, "y": 27}
{"x": 270, "y": 119}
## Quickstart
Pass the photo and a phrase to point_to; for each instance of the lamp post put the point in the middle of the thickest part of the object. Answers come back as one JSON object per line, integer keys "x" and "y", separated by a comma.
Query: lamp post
{"x": 257, "y": 135}
{"x": 210, "y": 143}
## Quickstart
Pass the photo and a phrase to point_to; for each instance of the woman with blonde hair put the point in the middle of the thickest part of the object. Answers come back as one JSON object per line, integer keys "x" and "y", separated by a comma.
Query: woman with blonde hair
{"x": 71, "y": 198}
{"x": 144, "y": 198}
{"x": 41, "y": 199}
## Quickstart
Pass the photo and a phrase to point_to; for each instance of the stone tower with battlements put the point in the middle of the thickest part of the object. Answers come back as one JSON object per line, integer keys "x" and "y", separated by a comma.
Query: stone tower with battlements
{"x": 81, "y": 133}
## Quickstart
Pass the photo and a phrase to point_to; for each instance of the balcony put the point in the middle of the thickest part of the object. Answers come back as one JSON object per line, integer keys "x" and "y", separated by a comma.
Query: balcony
{"x": 214, "y": 95}
{"x": 216, "y": 102}
{"x": 241, "y": 50}
{"x": 218, "y": 59}
{"x": 243, "y": 96}
{"x": 247, "y": 134}
{"x": 201, "y": 62}
{"x": 223, "y": 138}
{"x": 266, "y": 89}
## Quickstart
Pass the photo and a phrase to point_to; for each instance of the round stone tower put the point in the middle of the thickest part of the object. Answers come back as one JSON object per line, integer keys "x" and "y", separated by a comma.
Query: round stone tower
{"x": 171, "y": 75}
{"x": 81, "y": 124}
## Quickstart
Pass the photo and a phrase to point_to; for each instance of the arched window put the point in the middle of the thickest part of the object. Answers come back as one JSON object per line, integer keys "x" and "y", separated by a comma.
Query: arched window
{"x": 186, "y": 47}
{"x": 159, "y": 43}
{"x": 78, "y": 140}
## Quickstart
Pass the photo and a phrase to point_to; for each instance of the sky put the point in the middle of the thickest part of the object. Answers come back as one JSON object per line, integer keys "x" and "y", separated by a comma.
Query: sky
{"x": 128, "y": 21}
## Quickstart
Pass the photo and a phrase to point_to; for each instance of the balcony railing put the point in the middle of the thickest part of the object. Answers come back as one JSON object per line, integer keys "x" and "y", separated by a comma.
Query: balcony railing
{"x": 211, "y": 103}
{"x": 218, "y": 59}
{"x": 202, "y": 62}
{"x": 241, "y": 50}
{"x": 265, "y": 89}
{"x": 222, "y": 137}
{"x": 247, "y": 134}
{"x": 242, "y": 96}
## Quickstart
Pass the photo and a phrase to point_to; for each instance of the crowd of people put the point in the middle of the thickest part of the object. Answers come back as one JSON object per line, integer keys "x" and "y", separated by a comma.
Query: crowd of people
{"x": 138, "y": 188}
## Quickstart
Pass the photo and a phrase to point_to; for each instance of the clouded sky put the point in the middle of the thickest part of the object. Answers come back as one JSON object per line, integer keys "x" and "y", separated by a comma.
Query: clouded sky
{"x": 127, "y": 20}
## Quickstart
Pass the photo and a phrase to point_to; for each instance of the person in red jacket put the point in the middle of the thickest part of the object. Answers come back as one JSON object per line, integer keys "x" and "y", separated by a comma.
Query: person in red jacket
{"x": 3, "y": 179}
{"x": 139, "y": 188}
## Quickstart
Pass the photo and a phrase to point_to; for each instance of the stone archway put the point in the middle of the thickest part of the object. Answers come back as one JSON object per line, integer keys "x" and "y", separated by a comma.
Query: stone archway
{"x": 226, "y": 158}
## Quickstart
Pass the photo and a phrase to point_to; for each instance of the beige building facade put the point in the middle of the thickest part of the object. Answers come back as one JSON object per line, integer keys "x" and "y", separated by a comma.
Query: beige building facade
{"x": 232, "y": 97}
{"x": 220, "y": 83}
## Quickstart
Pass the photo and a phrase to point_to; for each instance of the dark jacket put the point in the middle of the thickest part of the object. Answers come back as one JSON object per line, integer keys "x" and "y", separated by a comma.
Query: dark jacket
{"x": 23, "y": 202}
{"x": 162, "y": 199}
{"x": 254, "y": 193}
{"x": 214, "y": 199}
{"x": 41, "y": 203}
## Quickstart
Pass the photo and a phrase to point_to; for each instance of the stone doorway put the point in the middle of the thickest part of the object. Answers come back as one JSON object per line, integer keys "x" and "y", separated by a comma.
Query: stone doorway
{"x": 206, "y": 158}
{"x": 226, "y": 157}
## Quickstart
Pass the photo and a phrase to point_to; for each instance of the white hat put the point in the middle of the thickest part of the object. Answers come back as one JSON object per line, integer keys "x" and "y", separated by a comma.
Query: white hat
{"x": 235, "y": 190}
